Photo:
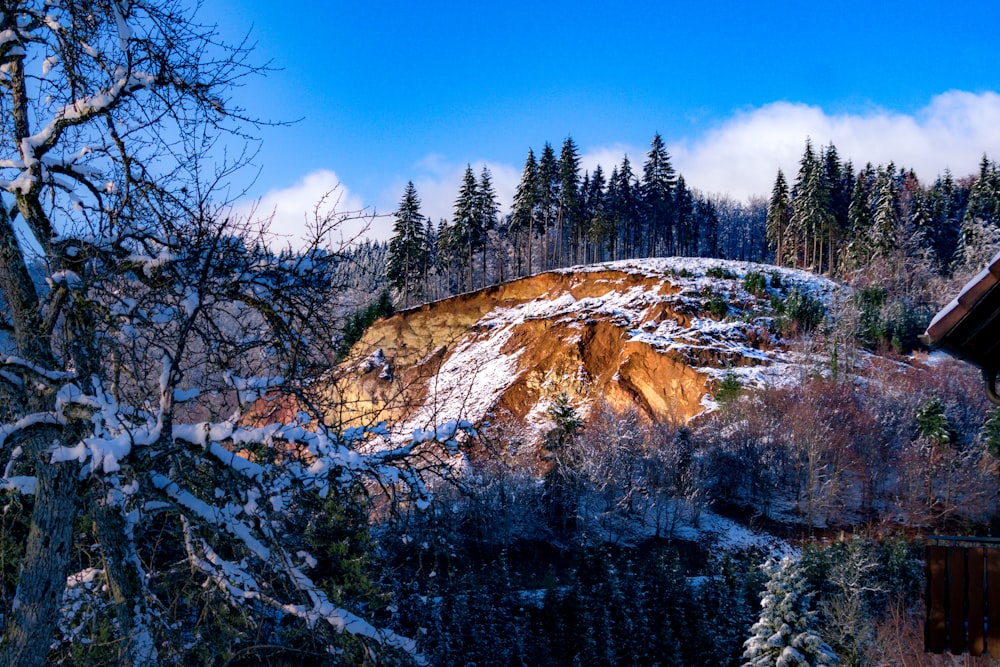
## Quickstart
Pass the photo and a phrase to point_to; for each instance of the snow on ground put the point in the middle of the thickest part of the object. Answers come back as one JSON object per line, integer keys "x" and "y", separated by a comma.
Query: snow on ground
{"x": 731, "y": 536}
{"x": 468, "y": 384}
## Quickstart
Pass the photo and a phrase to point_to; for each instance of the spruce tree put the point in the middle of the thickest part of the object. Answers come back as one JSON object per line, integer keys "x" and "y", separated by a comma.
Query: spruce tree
{"x": 779, "y": 219}
{"x": 979, "y": 237}
{"x": 466, "y": 222}
{"x": 686, "y": 231}
{"x": 811, "y": 211}
{"x": 946, "y": 202}
{"x": 860, "y": 217}
{"x": 785, "y": 635}
{"x": 625, "y": 208}
{"x": 487, "y": 210}
{"x": 408, "y": 246}
{"x": 548, "y": 198}
{"x": 522, "y": 219}
{"x": 569, "y": 226}
{"x": 884, "y": 231}
{"x": 600, "y": 231}
{"x": 658, "y": 181}
{"x": 708, "y": 228}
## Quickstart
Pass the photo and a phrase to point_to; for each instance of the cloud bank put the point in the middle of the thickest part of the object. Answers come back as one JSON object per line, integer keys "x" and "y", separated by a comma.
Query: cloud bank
{"x": 291, "y": 212}
{"x": 742, "y": 156}
{"x": 739, "y": 157}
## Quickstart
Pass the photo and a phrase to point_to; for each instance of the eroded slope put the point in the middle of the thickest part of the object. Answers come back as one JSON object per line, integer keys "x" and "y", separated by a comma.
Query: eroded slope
{"x": 658, "y": 334}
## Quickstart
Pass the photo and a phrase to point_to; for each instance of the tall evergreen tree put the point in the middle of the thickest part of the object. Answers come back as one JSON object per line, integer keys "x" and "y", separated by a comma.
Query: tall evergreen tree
{"x": 840, "y": 180}
{"x": 408, "y": 247}
{"x": 981, "y": 222}
{"x": 466, "y": 221}
{"x": 884, "y": 233}
{"x": 811, "y": 210}
{"x": 708, "y": 228}
{"x": 946, "y": 202}
{"x": 569, "y": 225}
{"x": 600, "y": 230}
{"x": 658, "y": 181}
{"x": 685, "y": 224}
{"x": 487, "y": 210}
{"x": 625, "y": 208}
{"x": 525, "y": 206}
{"x": 860, "y": 216}
{"x": 548, "y": 198}
{"x": 779, "y": 216}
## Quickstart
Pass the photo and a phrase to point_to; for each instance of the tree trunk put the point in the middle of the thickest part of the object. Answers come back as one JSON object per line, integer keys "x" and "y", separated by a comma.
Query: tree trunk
{"x": 125, "y": 581}
{"x": 43, "y": 577}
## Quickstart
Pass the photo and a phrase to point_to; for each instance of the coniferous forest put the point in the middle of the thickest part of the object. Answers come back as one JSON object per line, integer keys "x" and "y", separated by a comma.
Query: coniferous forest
{"x": 179, "y": 489}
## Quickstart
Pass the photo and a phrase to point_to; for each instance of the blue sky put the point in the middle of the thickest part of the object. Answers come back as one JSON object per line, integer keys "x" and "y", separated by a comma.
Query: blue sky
{"x": 389, "y": 91}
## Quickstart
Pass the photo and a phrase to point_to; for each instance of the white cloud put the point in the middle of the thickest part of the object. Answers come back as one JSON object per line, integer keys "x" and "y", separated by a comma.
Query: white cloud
{"x": 610, "y": 157}
{"x": 742, "y": 156}
{"x": 438, "y": 181}
{"x": 292, "y": 211}
{"x": 739, "y": 157}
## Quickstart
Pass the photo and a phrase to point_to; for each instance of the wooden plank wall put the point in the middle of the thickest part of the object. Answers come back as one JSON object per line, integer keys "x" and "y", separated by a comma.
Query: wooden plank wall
{"x": 963, "y": 586}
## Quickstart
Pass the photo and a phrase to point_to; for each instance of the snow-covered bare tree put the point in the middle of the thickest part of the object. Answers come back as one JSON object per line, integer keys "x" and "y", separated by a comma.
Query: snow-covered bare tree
{"x": 138, "y": 323}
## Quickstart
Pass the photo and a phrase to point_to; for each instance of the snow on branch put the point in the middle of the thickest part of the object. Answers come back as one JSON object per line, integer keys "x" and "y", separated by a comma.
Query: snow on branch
{"x": 25, "y": 366}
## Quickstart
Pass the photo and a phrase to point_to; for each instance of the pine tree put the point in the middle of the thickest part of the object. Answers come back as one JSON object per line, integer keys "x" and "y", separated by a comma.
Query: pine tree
{"x": 466, "y": 221}
{"x": 811, "y": 210}
{"x": 840, "y": 180}
{"x": 450, "y": 254}
{"x": 548, "y": 198}
{"x": 569, "y": 222}
{"x": 625, "y": 208}
{"x": 526, "y": 199}
{"x": 979, "y": 238}
{"x": 600, "y": 229}
{"x": 487, "y": 210}
{"x": 989, "y": 434}
{"x": 933, "y": 424}
{"x": 658, "y": 181}
{"x": 686, "y": 230}
{"x": 884, "y": 233}
{"x": 860, "y": 217}
{"x": 946, "y": 202}
{"x": 984, "y": 197}
{"x": 708, "y": 228}
{"x": 784, "y": 635}
{"x": 408, "y": 246}
{"x": 779, "y": 219}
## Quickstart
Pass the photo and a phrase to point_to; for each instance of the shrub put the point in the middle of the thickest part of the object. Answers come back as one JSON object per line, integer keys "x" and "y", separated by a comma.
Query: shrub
{"x": 755, "y": 282}
{"x": 717, "y": 305}
{"x": 807, "y": 312}
{"x": 719, "y": 272}
{"x": 729, "y": 388}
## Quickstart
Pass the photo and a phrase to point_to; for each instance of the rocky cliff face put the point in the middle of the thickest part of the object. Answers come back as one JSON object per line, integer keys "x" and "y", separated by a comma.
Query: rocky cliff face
{"x": 658, "y": 334}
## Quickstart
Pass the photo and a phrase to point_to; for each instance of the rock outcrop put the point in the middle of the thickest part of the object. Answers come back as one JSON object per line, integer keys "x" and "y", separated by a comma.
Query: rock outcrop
{"x": 657, "y": 334}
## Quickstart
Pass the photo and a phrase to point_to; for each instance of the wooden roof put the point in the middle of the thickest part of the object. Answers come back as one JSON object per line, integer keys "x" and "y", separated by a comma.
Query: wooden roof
{"x": 969, "y": 326}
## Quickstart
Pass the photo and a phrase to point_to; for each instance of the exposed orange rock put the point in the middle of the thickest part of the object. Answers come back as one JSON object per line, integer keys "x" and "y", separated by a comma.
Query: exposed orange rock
{"x": 630, "y": 333}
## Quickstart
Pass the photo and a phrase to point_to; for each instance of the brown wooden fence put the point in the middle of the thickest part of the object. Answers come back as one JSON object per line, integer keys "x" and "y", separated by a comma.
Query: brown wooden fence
{"x": 963, "y": 588}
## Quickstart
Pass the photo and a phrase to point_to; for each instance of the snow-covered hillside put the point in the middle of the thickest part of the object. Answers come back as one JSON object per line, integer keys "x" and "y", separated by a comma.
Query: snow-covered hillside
{"x": 660, "y": 334}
